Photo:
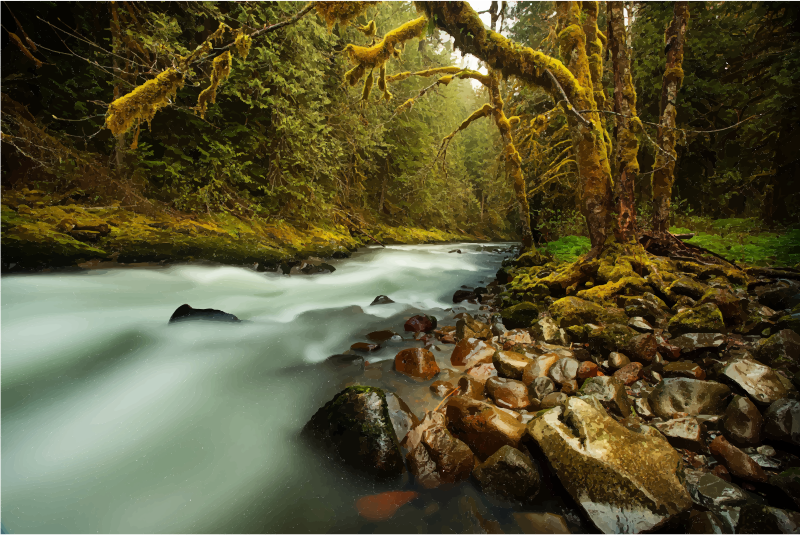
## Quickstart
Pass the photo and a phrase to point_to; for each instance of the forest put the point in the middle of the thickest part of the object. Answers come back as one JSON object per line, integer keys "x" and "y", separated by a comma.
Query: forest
{"x": 484, "y": 266}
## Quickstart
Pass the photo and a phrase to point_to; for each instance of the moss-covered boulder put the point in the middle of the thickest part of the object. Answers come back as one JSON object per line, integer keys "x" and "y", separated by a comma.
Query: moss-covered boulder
{"x": 531, "y": 258}
{"x": 576, "y": 311}
{"x": 355, "y": 426}
{"x": 605, "y": 293}
{"x": 688, "y": 287}
{"x": 611, "y": 337}
{"x": 625, "y": 481}
{"x": 729, "y": 305}
{"x": 520, "y": 316}
{"x": 780, "y": 349}
{"x": 705, "y": 318}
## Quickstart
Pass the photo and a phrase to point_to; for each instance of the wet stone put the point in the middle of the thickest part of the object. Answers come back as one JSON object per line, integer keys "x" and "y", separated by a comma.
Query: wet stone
{"x": 470, "y": 352}
{"x": 510, "y": 364}
{"x": 420, "y": 323}
{"x": 381, "y": 300}
{"x": 617, "y": 360}
{"x": 470, "y": 387}
{"x": 435, "y": 456}
{"x": 757, "y": 518}
{"x": 742, "y": 422}
{"x": 587, "y": 369}
{"x": 759, "y": 381}
{"x": 441, "y": 388}
{"x": 509, "y": 474}
{"x": 416, "y": 362}
{"x": 401, "y": 415}
{"x": 707, "y": 522}
{"x": 541, "y": 386}
{"x": 782, "y": 421}
{"x": 564, "y": 370}
{"x": 642, "y": 348}
{"x": 640, "y": 324}
{"x": 187, "y": 313}
{"x": 629, "y": 373}
{"x": 686, "y": 369}
{"x": 610, "y": 392}
{"x": 684, "y": 433}
{"x": 508, "y": 393}
{"x": 483, "y": 427}
{"x": 381, "y": 336}
{"x": 541, "y": 523}
{"x": 482, "y": 372}
{"x": 780, "y": 348}
{"x": 554, "y": 399}
{"x": 736, "y": 461}
{"x": 363, "y": 346}
{"x": 642, "y": 408}
{"x": 691, "y": 396}
{"x": 538, "y": 367}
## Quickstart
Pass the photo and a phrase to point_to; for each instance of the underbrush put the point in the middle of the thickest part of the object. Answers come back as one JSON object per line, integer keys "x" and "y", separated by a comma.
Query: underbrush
{"x": 745, "y": 242}
{"x": 567, "y": 248}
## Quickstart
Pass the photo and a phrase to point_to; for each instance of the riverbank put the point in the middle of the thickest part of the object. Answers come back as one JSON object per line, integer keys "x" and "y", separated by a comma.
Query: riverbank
{"x": 42, "y": 231}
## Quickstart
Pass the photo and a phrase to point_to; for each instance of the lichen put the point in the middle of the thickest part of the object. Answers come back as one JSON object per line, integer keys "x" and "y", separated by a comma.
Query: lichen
{"x": 220, "y": 71}
{"x": 378, "y": 54}
{"x": 341, "y": 12}
{"x": 243, "y": 42}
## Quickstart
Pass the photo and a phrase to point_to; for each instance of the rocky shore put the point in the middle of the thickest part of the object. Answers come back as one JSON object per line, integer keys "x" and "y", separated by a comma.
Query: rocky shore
{"x": 652, "y": 394}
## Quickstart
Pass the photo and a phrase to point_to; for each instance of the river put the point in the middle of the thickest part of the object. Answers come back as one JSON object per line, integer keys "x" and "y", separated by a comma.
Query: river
{"x": 114, "y": 421}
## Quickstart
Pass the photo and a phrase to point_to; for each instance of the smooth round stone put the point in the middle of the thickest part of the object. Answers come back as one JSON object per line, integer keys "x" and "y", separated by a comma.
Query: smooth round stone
{"x": 617, "y": 360}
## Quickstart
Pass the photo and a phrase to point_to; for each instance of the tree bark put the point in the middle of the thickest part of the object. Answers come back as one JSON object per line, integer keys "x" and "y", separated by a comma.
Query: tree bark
{"x": 625, "y": 162}
{"x": 664, "y": 176}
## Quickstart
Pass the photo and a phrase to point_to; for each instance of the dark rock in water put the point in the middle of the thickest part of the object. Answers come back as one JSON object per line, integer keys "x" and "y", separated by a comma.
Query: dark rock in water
{"x": 706, "y": 522}
{"x": 187, "y": 313}
{"x": 363, "y": 346}
{"x": 483, "y": 427}
{"x": 736, "y": 461}
{"x": 691, "y": 396}
{"x": 780, "y": 348}
{"x": 463, "y": 295}
{"x": 381, "y": 300}
{"x": 509, "y": 473}
{"x": 416, "y": 362}
{"x": 760, "y": 382}
{"x": 306, "y": 268}
{"x": 455, "y": 251}
{"x": 381, "y": 336}
{"x": 345, "y": 361}
{"x": 420, "y": 324}
{"x": 435, "y": 456}
{"x": 757, "y": 518}
{"x": 782, "y": 421}
{"x": 356, "y": 426}
{"x": 742, "y": 422}
{"x": 610, "y": 392}
{"x": 508, "y": 393}
{"x": 685, "y": 433}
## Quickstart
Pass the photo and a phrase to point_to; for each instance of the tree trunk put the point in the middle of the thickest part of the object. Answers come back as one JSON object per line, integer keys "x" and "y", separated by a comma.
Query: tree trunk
{"x": 625, "y": 163}
{"x": 116, "y": 41}
{"x": 663, "y": 177}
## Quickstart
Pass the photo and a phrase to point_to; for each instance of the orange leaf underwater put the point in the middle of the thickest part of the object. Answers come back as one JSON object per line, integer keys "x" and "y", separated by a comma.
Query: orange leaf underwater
{"x": 382, "y": 506}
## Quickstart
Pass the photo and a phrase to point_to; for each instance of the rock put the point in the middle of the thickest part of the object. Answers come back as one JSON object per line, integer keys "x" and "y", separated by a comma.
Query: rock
{"x": 363, "y": 346}
{"x": 617, "y": 360}
{"x": 355, "y": 425}
{"x": 435, "y": 456}
{"x": 757, "y": 518}
{"x": 570, "y": 387}
{"x": 759, "y": 381}
{"x": 736, "y": 461}
{"x": 470, "y": 387}
{"x": 610, "y": 392}
{"x": 716, "y": 494}
{"x": 520, "y": 316}
{"x": 688, "y": 287}
{"x": 721, "y": 472}
{"x": 640, "y": 324}
{"x": 420, "y": 324}
{"x": 603, "y": 467}
{"x": 540, "y": 387}
{"x": 441, "y": 388}
{"x": 510, "y": 474}
{"x": 780, "y": 348}
{"x": 588, "y": 369}
{"x": 551, "y": 349}
{"x": 686, "y": 369}
{"x": 695, "y": 342}
{"x": 682, "y": 302}
{"x": 789, "y": 482}
{"x": 668, "y": 350}
{"x": 564, "y": 370}
{"x": 642, "y": 308}
{"x": 342, "y": 362}
{"x": 484, "y": 428}
{"x": 742, "y": 422}
{"x": 508, "y": 393}
{"x": 541, "y": 523}
{"x": 538, "y": 368}
{"x": 685, "y": 433}
{"x": 779, "y": 295}
{"x": 782, "y": 421}
{"x": 464, "y": 295}
{"x": 701, "y": 319}
{"x": 416, "y": 362}
{"x": 383, "y": 506}
{"x": 546, "y": 329}
{"x": 482, "y": 372}
{"x": 498, "y": 329}
{"x": 455, "y": 251}
{"x": 575, "y": 311}
{"x": 187, "y": 313}
{"x": 629, "y": 373}
{"x": 729, "y": 305}
{"x": 381, "y": 336}
{"x": 470, "y": 352}
{"x": 554, "y": 399}
{"x": 381, "y": 300}
{"x": 642, "y": 408}
{"x": 706, "y": 522}
{"x": 642, "y": 348}
{"x": 510, "y": 364}
{"x": 467, "y": 327}
{"x": 611, "y": 337}
{"x": 402, "y": 417}
{"x": 692, "y": 396}
{"x": 515, "y": 337}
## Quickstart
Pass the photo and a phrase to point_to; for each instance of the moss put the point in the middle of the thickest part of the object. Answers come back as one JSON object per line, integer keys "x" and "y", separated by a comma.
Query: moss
{"x": 378, "y": 54}
{"x": 611, "y": 337}
{"x": 243, "y": 42}
{"x": 674, "y": 74}
{"x": 142, "y": 103}
{"x": 604, "y": 294}
{"x": 575, "y": 311}
{"x": 341, "y": 12}
{"x": 368, "y": 29}
{"x": 521, "y": 315}
{"x": 705, "y": 318}
{"x": 220, "y": 71}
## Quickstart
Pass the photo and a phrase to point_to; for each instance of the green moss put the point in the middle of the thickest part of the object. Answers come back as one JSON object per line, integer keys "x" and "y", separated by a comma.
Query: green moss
{"x": 574, "y": 311}
{"x": 567, "y": 248}
{"x": 521, "y": 315}
{"x": 705, "y": 318}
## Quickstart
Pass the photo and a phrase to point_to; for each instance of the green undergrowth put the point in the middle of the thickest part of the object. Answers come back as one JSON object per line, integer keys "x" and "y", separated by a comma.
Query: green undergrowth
{"x": 567, "y": 248}
{"x": 743, "y": 241}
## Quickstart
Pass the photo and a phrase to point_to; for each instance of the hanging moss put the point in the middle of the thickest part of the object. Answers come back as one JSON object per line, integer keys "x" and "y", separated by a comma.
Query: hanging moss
{"x": 368, "y": 83}
{"x": 341, "y": 12}
{"x": 243, "y": 43}
{"x": 220, "y": 71}
{"x": 142, "y": 103}
{"x": 368, "y": 29}
{"x": 378, "y": 54}
{"x": 354, "y": 75}
{"x": 426, "y": 73}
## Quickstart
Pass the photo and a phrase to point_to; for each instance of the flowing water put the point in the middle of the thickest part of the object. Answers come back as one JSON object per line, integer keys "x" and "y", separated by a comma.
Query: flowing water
{"x": 114, "y": 421}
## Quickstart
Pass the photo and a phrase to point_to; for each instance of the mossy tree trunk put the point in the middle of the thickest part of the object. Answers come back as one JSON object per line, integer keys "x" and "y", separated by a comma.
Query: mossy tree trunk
{"x": 664, "y": 175}
{"x": 573, "y": 81}
{"x": 625, "y": 162}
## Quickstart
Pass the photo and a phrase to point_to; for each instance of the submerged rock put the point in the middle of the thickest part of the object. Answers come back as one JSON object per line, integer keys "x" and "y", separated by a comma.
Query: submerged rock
{"x": 355, "y": 425}
{"x": 416, "y": 362}
{"x": 483, "y": 427}
{"x": 626, "y": 482}
{"x": 381, "y": 300}
{"x": 187, "y": 313}
{"x": 435, "y": 456}
{"x": 510, "y": 474}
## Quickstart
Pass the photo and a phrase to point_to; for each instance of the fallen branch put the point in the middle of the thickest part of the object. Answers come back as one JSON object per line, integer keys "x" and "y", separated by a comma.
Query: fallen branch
{"x": 777, "y": 273}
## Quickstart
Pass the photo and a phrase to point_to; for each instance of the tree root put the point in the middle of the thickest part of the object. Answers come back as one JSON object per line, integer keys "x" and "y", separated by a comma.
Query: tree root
{"x": 671, "y": 246}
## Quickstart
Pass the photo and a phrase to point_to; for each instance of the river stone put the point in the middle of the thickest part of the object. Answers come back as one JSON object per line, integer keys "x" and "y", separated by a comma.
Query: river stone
{"x": 684, "y": 433}
{"x": 757, "y": 518}
{"x": 575, "y": 311}
{"x": 540, "y": 387}
{"x": 470, "y": 387}
{"x": 642, "y": 408}
{"x": 706, "y": 522}
{"x": 381, "y": 300}
{"x": 780, "y": 348}
{"x": 736, "y": 461}
{"x": 642, "y": 348}
{"x": 729, "y": 305}
{"x": 463, "y": 295}
{"x": 611, "y": 337}
{"x": 508, "y": 393}
{"x": 610, "y": 392}
{"x": 554, "y": 399}
{"x": 541, "y": 523}
{"x": 630, "y": 373}
{"x": 782, "y": 421}
{"x": 588, "y": 369}
{"x": 482, "y": 372}
{"x": 420, "y": 324}
{"x": 642, "y": 308}
{"x": 759, "y": 381}
{"x": 510, "y": 474}
{"x": 617, "y": 360}
{"x": 690, "y": 370}
{"x": 779, "y": 295}
{"x": 510, "y": 364}
{"x": 402, "y": 417}
{"x": 701, "y": 319}
{"x": 520, "y": 316}
{"x": 187, "y": 313}
{"x": 483, "y": 427}
{"x": 381, "y": 336}
{"x": 470, "y": 351}
{"x": 710, "y": 491}
{"x": 416, "y": 362}
{"x": 356, "y": 426}
{"x": 626, "y": 482}
{"x": 564, "y": 370}
{"x": 468, "y": 327}
{"x": 538, "y": 368}
{"x": 640, "y": 324}
{"x": 692, "y": 342}
{"x": 692, "y": 396}
{"x": 435, "y": 456}
{"x": 548, "y": 330}
{"x": 742, "y": 422}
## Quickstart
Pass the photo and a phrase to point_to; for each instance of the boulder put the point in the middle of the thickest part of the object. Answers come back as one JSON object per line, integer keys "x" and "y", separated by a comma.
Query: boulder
{"x": 692, "y": 343}
{"x": 684, "y": 368}
{"x": 701, "y": 319}
{"x": 520, "y": 316}
{"x": 780, "y": 348}
{"x": 508, "y": 393}
{"x": 381, "y": 300}
{"x": 684, "y": 433}
{"x": 629, "y": 373}
{"x": 483, "y": 427}
{"x": 509, "y": 474}
{"x": 464, "y": 295}
{"x": 642, "y": 348}
{"x": 729, "y": 305}
{"x": 356, "y": 427}
{"x": 468, "y": 327}
{"x": 642, "y": 308}
{"x": 435, "y": 456}
{"x": 470, "y": 352}
{"x": 564, "y": 370}
{"x": 510, "y": 364}
{"x": 782, "y": 421}
{"x": 757, "y": 518}
{"x": 716, "y": 494}
{"x": 416, "y": 362}
{"x": 779, "y": 295}
{"x": 420, "y": 324}
{"x": 741, "y": 423}
{"x": 691, "y": 396}
{"x": 736, "y": 461}
{"x": 688, "y": 287}
{"x": 470, "y": 387}
{"x": 626, "y": 482}
{"x": 575, "y": 311}
{"x": 611, "y": 337}
{"x": 789, "y": 482}
{"x": 540, "y": 387}
{"x": 760, "y": 382}
{"x": 187, "y": 313}
{"x": 610, "y": 392}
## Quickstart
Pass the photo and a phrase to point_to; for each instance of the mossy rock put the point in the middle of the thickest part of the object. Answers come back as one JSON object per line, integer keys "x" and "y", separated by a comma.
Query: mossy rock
{"x": 570, "y": 311}
{"x": 688, "y": 287}
{"x": 705, "y": 318}
{"x": 611, "y": 337}
{"x": 605, "y": 293}
{"x": 521, "y": 316}
{"x": 789, "y": 321}
{"x": 531, "y": 258}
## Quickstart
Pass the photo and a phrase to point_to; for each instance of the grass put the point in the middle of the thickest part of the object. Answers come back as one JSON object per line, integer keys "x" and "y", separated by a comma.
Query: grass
{"x": 754, "y": 247}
